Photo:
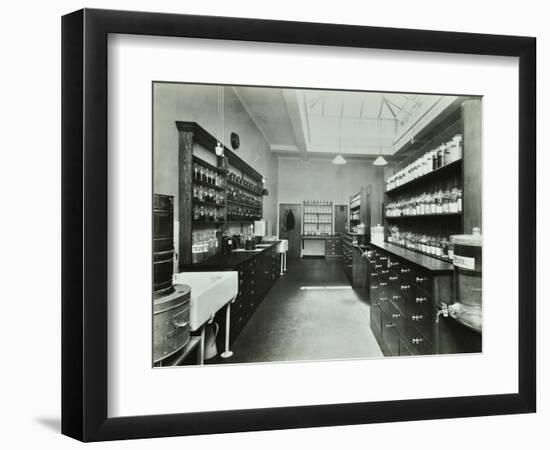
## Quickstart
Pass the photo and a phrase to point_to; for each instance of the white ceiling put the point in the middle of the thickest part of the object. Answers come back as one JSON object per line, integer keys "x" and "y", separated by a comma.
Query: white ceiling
{"x": 315, "y": 122}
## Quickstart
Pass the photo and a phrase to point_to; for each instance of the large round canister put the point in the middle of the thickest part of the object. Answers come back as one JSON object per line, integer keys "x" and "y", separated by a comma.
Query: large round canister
{"x": 467, "y": 263}
{"x": 171, "y": 328}
{"x": 468, "y": 282}
{"x": 163, "y": 269}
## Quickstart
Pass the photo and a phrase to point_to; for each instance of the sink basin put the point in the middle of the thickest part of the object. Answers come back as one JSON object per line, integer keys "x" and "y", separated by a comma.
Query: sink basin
{"x": 283, "y": 246}
{"x": 210, "y": 291}
{"x": 262, "y": 245}
{"x": 245, "y": 250}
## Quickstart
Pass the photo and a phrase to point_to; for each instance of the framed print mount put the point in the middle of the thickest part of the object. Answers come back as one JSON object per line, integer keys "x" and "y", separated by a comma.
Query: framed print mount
{"x": 95, "y": 136}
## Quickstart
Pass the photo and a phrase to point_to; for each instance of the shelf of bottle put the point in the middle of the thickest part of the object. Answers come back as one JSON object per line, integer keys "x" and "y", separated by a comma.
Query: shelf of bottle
{"x": 245, "y": 205}
{"x": 319, "y": 214}
{"x": 208, "y": 222}
{"x": 442, "y": 258}
{"x": 233, "y": 219}
{"x": 317, "y": 223}
{"x": 447, "y": 168}
{"x": 414, "y": 216}
{"x": 207, "y": 185}
{"x": 206, "y": 165}
{"x": 353, "y": 207}
{"x": 354, "y": 220}
{"x": 198, "y": 202}
{"x": 244, "y": 188}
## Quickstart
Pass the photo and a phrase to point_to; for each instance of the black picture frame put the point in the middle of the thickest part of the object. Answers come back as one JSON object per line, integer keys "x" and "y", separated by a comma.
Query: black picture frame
{"x": 84, "y": 224}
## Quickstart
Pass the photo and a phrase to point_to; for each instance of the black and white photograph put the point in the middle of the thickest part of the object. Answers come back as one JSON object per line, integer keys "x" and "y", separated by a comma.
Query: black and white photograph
{"x": 294, "y": 225}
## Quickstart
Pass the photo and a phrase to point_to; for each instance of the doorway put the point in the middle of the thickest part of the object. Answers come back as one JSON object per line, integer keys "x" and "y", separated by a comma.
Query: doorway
{"x": 288, "y": 213}
{"x": 340, "y": 218}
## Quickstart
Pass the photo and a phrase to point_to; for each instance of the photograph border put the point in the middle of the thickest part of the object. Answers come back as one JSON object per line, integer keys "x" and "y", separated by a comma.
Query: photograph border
{"x": 85, "y": 231}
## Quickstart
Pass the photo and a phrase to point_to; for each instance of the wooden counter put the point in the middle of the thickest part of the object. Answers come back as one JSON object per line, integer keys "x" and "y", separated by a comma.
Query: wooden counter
{"x": 424, "y": 261}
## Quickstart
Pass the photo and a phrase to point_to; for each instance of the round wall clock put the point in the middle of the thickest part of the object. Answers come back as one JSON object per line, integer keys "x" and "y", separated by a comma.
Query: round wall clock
{"x": 235, "y": 141}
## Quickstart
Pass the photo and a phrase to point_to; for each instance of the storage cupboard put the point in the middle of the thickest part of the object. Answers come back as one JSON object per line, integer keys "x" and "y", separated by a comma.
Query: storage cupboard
{"x": 403, "y": 297}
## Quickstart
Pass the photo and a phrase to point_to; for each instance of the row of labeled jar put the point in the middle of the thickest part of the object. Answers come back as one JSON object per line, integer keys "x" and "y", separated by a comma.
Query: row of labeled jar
{"x": 318, "y": 202}
{"x": 208, "y": 214}
{"x": 439, "y": 245}
{"x": 206, "y": 175}
{"x": 205, "y": 194}
{"x": 204, "y": 245}
{"x": 317, "y": 209}
{"x": 314, "y": 218}
{"x": 235, "y": 212}
{"x": 440, "y": 202}
{"x": 235, "y": 194}
{"x": 446, "y": 153}
{"x": 242, "y": 181}
{"x": 317, "y": 230}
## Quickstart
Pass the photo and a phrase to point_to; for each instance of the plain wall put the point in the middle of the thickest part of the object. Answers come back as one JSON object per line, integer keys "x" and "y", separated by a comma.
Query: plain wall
{"x": 322, "y": 180}
{"x": 199, "y": 103}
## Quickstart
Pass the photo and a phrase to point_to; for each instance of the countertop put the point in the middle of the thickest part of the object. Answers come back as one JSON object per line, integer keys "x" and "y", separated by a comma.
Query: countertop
{"x": 324, "y": 236}
{"x": 227, "y": 262}
{"x": 424, "y": 261}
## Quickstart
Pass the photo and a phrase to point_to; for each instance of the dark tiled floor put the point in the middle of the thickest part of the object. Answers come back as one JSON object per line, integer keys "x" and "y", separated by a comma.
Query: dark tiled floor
{"x": 296, "y": 324}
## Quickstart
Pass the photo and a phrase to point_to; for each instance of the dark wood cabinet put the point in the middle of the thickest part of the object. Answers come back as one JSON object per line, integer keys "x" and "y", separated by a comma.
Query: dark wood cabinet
{"x": 404, "y": 296}
{"x": 256, "y": 277}
{"x": 211, "y": 194}
{"x": 359, "y": 269}
{"x": 333, "y": 247}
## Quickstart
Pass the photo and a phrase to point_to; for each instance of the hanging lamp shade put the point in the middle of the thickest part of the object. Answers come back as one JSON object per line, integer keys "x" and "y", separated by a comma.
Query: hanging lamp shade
{"x": 338, "y": 159}
{"x": 380, "y": 161}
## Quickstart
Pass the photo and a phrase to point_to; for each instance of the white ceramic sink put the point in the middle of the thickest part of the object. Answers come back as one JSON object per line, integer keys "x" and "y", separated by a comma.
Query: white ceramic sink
{"x": 283, "y": 246}
{"x": 210, "y": 291}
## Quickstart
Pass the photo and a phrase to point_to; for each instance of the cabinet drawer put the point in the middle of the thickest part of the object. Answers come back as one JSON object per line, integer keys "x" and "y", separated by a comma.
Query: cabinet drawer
{"x": 376, "y": 317}
{"x": 384, "y": 301}
{"x": 423, "y": 281}
{"x": 419, "y": 303}
{"x": 394, "y": 281}
{"x": 394, "y": 264}
{"x": 403, "y": 349}
{"x": 384, "y": 275}
{"x": 405, "y": 273}
{"x": 396, "y": 317}
{"x": 417, "y": 342}
{"x": 390, "y": 336}
{"x": 423, "y": 323}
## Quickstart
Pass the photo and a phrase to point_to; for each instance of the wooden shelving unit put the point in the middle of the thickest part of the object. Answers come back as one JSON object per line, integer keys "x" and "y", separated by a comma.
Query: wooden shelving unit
{"x": 434, "y": 175}
{"x": 318, "y": 218}
{"x": 437, "y": 226}
{"x": 425, "y": 216}
{"x": 225, "y": 210}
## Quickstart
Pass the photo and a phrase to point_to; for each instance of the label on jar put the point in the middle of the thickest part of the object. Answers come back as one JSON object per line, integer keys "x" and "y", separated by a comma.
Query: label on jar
{"x": 464, "y": 262}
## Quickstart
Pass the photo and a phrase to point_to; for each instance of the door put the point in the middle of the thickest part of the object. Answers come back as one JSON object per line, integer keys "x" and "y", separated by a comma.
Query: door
{"x": 340, "y": 218}
{"x": 292, "y": 234}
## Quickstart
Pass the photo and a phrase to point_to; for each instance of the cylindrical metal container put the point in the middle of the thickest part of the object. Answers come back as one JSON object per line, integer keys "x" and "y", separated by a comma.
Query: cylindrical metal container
{"x": 163, "y": 242}
{"x": 468, "y": 283}
{"x": 163, "y": 268}
{"x": 171, "y": 328}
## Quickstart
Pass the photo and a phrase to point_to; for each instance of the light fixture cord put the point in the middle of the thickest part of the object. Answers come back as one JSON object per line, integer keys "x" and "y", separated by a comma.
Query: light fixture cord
{"x": 222, "y": 114}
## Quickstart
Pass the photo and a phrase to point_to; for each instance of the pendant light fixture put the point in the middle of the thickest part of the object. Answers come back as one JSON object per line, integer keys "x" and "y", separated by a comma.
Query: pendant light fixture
{"x": 380, "y": 161}
{"x": 339, "y": 159}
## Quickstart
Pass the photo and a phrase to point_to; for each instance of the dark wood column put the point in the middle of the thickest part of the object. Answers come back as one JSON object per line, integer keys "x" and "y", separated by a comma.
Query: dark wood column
{"x": 185, "y": 196}
{"x": 472, "y": 148}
